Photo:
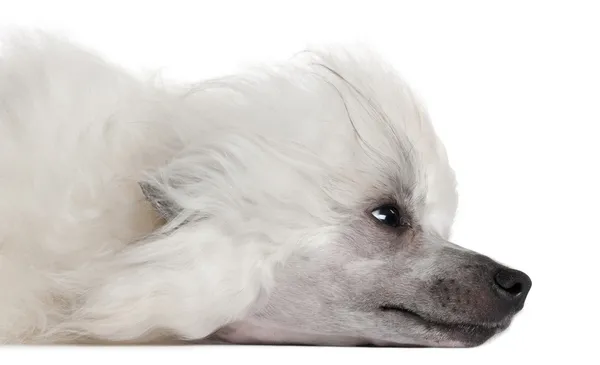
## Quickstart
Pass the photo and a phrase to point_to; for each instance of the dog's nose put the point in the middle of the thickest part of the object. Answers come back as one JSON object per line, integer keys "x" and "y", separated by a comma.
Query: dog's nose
{"x": 512, "y": 285}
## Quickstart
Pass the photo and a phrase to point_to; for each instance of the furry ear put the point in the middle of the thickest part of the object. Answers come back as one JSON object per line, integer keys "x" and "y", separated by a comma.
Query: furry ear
{"x": 165, "y": 207}
{"x": 184, "y": 285}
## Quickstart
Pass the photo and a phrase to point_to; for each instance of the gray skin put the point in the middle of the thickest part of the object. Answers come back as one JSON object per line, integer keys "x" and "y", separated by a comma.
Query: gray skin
{"x": 383, "y": 286}
{"x": 417, "y": 290}
{"x": 411, "y": 288}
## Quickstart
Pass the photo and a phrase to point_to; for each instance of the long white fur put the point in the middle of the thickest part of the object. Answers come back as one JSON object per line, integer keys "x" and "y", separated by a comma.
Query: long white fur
{"x": 83, "y": 254}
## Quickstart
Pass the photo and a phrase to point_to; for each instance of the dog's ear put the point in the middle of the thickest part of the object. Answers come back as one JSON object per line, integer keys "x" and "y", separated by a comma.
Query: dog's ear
{"x": 164, "y": 206}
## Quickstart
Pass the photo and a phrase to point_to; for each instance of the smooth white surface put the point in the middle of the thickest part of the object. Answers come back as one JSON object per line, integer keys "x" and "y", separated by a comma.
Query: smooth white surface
{"x": 514, "y": 91}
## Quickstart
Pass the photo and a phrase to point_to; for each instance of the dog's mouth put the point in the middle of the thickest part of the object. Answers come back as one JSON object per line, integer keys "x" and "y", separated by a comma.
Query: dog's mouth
{"x": 469, "y": 332}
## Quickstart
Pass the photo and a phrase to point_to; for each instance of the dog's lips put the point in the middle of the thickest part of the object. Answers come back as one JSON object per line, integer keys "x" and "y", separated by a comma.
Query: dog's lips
{"x": 476, "y": 332}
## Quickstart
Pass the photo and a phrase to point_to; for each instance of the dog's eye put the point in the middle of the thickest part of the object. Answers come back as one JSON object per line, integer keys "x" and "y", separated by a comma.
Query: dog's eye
{"x": 390, "y": 216}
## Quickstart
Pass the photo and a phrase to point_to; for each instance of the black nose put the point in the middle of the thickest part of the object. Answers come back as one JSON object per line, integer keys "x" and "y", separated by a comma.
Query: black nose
{"x": 512, "y": 285}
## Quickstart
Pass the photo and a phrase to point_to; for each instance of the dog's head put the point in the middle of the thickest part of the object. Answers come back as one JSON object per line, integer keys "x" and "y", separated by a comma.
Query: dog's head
{"x": 333, "y": 201}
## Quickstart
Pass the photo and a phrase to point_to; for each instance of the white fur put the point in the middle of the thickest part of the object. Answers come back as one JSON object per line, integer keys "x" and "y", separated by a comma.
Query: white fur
{"x": 83, "y": 254}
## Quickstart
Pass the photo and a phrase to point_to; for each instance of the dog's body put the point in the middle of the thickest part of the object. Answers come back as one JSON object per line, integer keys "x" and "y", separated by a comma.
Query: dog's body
{"x": 237, "y": 210}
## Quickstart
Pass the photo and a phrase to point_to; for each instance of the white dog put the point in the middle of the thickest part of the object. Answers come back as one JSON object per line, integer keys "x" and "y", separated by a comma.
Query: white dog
{"x": 305, "y": 203}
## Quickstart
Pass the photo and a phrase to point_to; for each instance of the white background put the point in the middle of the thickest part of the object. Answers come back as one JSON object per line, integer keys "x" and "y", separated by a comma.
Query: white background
{"x": 514, "y": 91}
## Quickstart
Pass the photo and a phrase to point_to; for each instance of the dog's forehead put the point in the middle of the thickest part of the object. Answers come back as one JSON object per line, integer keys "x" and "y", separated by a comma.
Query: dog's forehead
{"x": 389, "y": 118}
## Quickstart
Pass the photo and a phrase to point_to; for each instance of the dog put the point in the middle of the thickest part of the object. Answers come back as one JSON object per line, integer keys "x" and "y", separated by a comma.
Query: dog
{"x": 306, "y": 202}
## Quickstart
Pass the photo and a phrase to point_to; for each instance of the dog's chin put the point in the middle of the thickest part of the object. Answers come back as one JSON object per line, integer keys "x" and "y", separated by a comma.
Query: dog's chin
{"x": 443, "y": 333}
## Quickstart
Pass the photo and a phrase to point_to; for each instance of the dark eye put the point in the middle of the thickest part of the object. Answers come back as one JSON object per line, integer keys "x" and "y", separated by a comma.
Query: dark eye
{"x": 390, "y": 216}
